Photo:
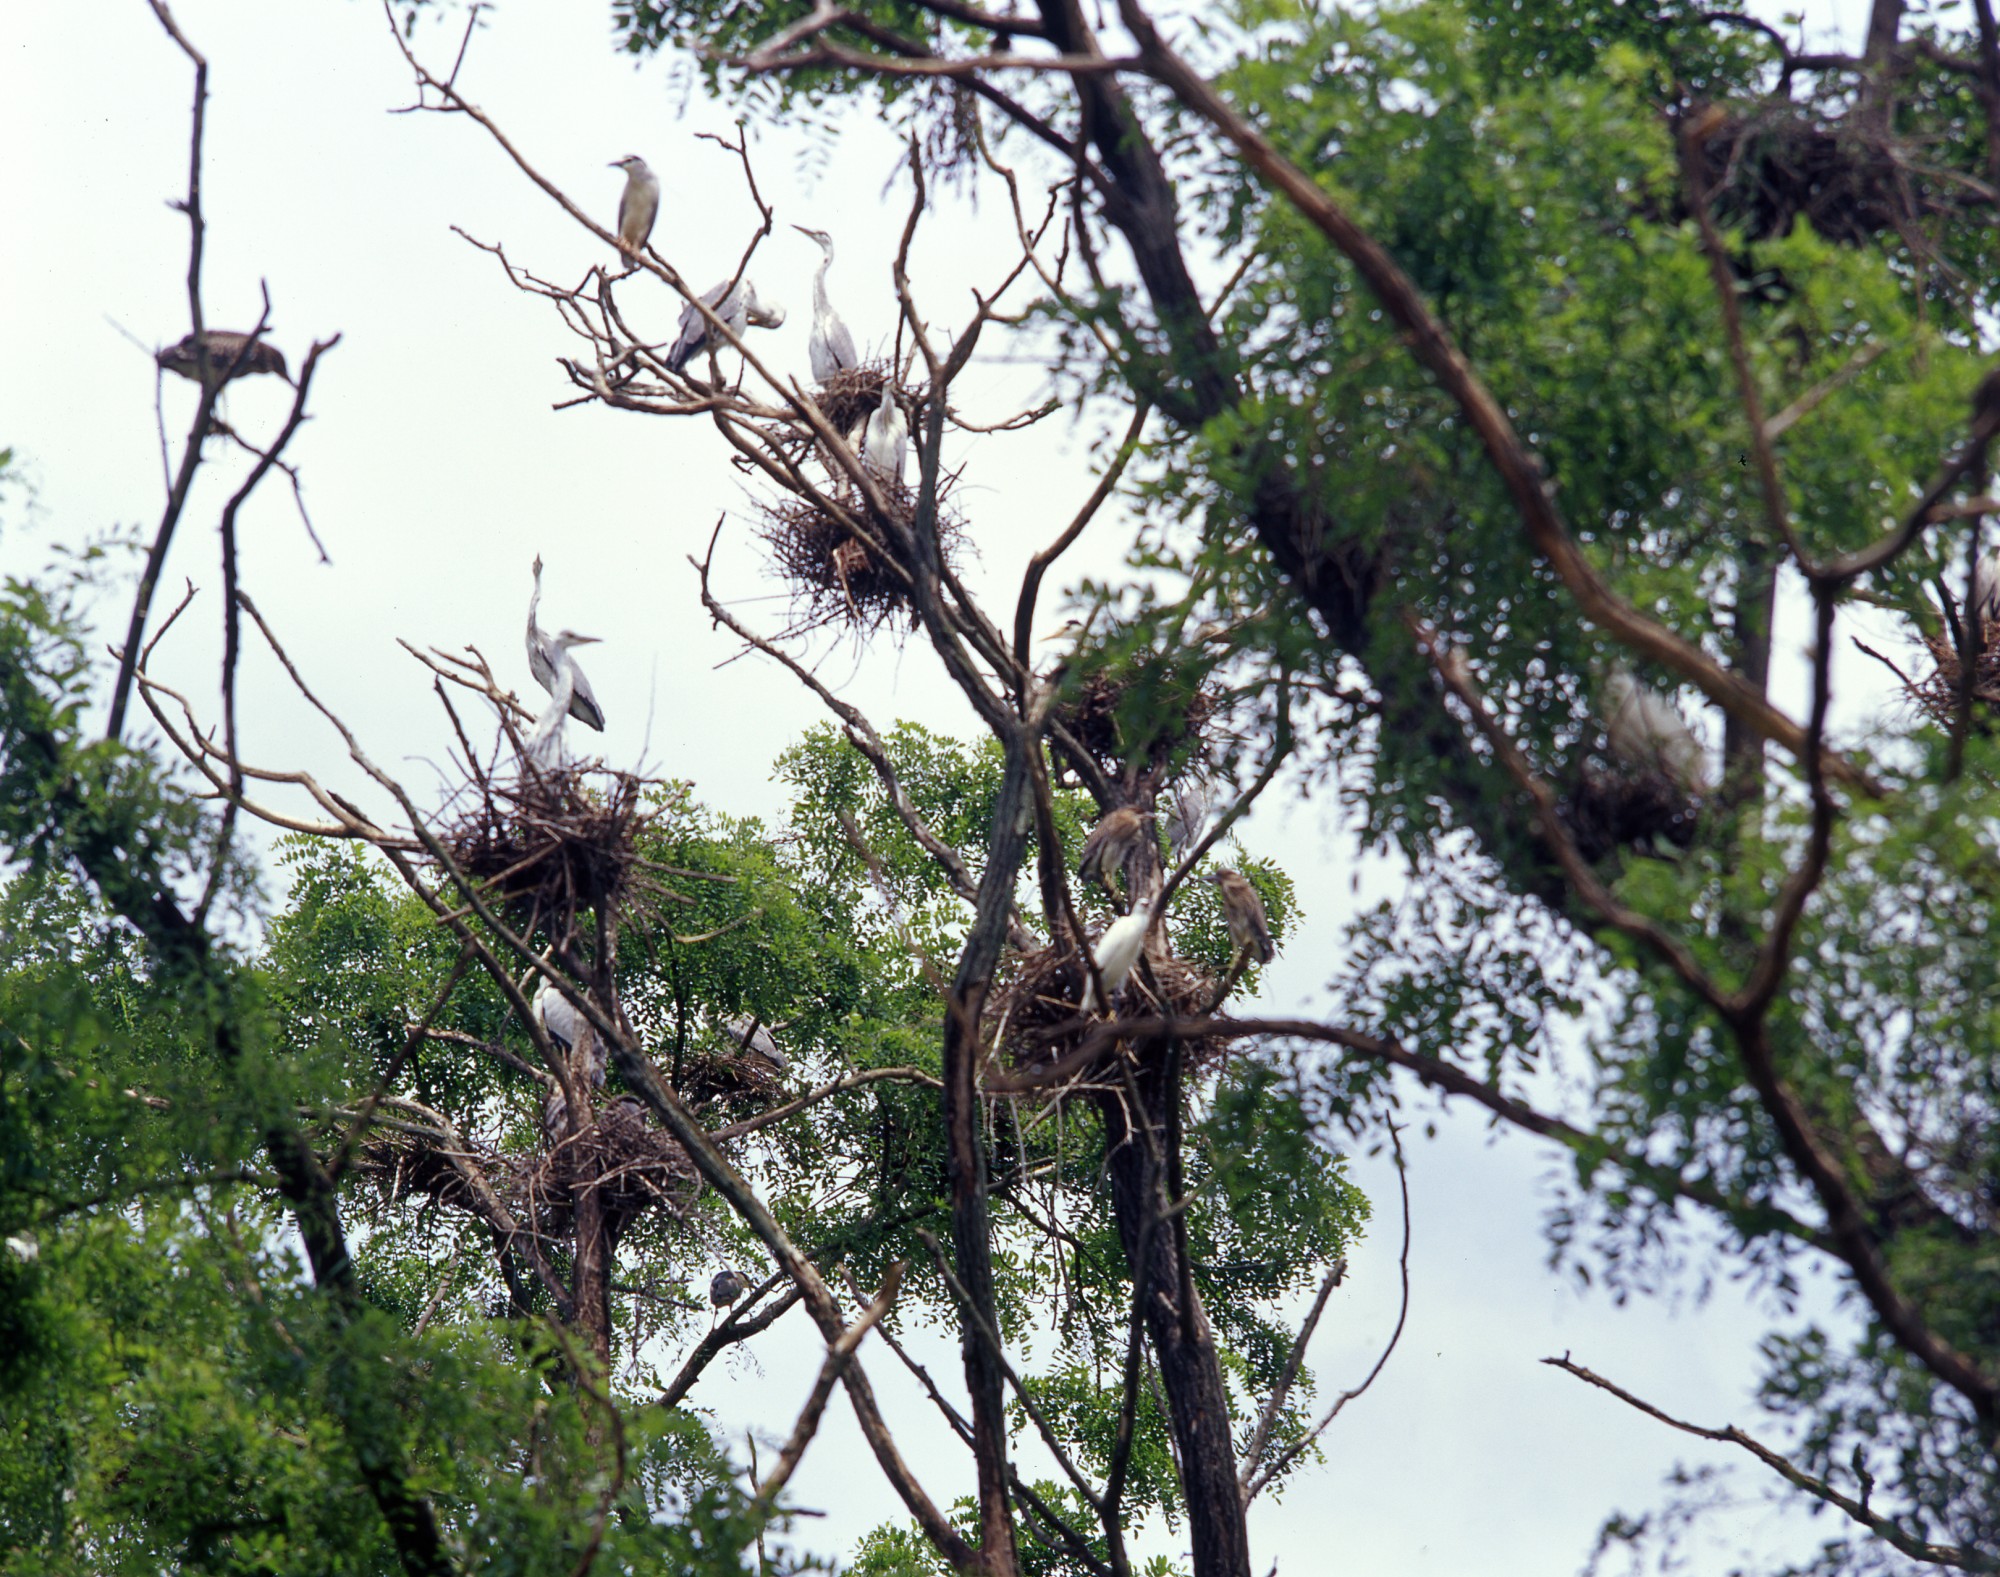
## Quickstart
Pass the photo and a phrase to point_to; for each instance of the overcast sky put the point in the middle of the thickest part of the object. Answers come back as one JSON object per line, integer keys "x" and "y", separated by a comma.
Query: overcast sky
{"x": 436, "y": 470}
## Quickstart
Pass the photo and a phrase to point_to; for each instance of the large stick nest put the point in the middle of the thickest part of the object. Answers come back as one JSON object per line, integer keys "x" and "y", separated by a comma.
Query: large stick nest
{"x": 835, "y": 577}
{"x": 1938, "y": 694}
{"x": 1850, "y": 183}
{"x": 1155, "y": 712}
{"x": 1034, "y": 1005}
{"x": 632, "y": 1165}
{"x": 549, "y": 841}
{"x": 853, "y": 394}
{"x": 1607, "y": 811}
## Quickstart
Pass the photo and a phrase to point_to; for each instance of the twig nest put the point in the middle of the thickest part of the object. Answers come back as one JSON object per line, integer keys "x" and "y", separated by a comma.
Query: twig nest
{"x": 736, "y": 1082}
{"x": 630, "y": 1163}
{"x": 1938, "y": 694}
{"x": 835, "y": 577}
{"x": 1611, "y": 810}
{"x": 1850, "y": 183}
{"x": 550, "y": 840}
{"x": 1034, "y": 1006}
{"x": 851, "y": 396}
{"x": 1154, "y": 710}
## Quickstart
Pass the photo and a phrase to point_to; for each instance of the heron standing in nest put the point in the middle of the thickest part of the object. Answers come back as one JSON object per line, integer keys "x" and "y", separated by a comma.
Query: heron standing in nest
{"x": 638, "y": 207}
{"x": 829, "y": 347}
{"x": 749, "y": 1035}
{"x": 1647, "y": 734}
{"x": 1243, "y": 911}
{"x": 1117, "y": 950}
{"x": 885, "y": 444}
{"x": 556, "y": 671}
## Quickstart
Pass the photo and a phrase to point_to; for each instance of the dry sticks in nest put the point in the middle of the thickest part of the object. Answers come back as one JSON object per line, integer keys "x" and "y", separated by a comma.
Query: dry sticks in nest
{"x": 546, "y": 842}
{"x": 1176, "y": 706}
{"x": 835, "y": 577}
{"x": 631, "y": 1164}
{"x": 1036, "y": 1018}
{"x": 850, "y": 397}
{"x": 1611, "y": 810}
{"x": 1938, "y": 694}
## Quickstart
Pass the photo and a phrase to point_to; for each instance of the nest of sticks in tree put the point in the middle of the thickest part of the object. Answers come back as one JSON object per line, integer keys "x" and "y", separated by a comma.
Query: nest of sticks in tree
{"x": 1849, "y": 182}
{"x": 835, "y": 577}
{"x": 550, "y": 841}
{"x": 1034, "y": 1005}
{"x": 1113, "y": 716}
{"x": 854, "y": 394}
{"x": 1939, "y": 694}
{"x": 632, "y": 1165}
{"x": 1607, "y": 811}
{"x": 736, "y": 1083}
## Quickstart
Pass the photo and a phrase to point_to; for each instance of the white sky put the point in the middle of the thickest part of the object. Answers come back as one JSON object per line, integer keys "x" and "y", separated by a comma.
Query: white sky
{"x": 436, "y": 471}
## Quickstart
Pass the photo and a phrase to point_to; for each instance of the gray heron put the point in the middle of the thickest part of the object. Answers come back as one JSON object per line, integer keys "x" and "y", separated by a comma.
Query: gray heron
{"x": 230, "y": 355}
{"x": 749, "y": 1035}
{"x": 1190, "y": 805}
{"x": 568, "y": 1029}
{"x": 887, "y": 439}
{"x": 1110, "y": 845}
{"x": 556, "y": 671}
{"x": 1647, "y": 734}
{"x": 1986, "y": 593}
{"x": 739, "y": 309}
{"x": 1243, "y": 910}
{"x": 830, "y": 347}
{"x": 1117, "y": 950}
{"x": 638, "y": 207}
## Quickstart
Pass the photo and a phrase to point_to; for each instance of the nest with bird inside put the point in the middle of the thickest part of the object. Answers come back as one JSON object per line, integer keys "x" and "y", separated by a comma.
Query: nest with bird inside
{"x": 732, "y": 1083}
{"x": 854, "y": 394}
{"x": 1036, "y": 1021}
{"x": 835, "y": 577}
{"x": 553, "y": 842}
{"x": 1851, "y": 182}
{"x": 1609, "y": 810}
{"x": 630, "y": 1165}
{"x": 1151, "y": 712}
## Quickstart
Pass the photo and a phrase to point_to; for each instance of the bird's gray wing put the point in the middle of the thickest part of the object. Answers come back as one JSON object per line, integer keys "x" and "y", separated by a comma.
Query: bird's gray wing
{"x": 841, "y": 344}
{"x": 583, "y": 703}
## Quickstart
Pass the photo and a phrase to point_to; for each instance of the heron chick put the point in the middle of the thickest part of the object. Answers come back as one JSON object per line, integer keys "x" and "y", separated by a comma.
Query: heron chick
{"x": 829, "y": 347}
{"x": 1243, "y": 911}
{"x": 638, "y": 207}
{"x": 886, "y": 442}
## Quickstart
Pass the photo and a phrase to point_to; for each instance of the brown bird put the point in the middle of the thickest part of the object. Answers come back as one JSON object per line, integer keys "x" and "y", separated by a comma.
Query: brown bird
{"x": 227, "y": 349}
{"x": 1244, "y": 911}
{"x": 1110, "y": 845}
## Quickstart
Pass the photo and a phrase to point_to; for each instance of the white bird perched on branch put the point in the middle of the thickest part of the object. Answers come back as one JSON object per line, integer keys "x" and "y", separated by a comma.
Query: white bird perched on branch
{"x": 739, "y": 309}
{"x": 887, "y": 440}
{"x": 1646, "y": 733}
{"x": 559, "y": 1019}
{"x": 556, "y": 671}
{"x": 638, "y": 206}
{"x": 1117, "y": 950}
{"x": 830, "y": 347}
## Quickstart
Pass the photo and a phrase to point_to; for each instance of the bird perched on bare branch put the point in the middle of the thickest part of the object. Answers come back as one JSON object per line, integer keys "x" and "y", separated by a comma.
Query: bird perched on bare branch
{"x": 829, "y": 347}
{"x": 638, "y": 207}
{"x": 1117, "y": 950}
{"x": 739, "y": 309}
{"x": 1647, "y": 734}
{"x": 1243, "y": 910}
{"x": 725, "y": 1287}
{"x": 749, "y": 1035}
{"x": 886, "y": 443}
{"x": 230, "y": 355}
{"x": 1110, "y": 845}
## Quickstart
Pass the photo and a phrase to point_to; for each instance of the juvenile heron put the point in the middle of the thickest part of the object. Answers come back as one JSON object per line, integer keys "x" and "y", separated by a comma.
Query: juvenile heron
{"x": 230, "y": 355}
{"x": 1117, "y": 950}
{"x": 739, "y": 309}
{"x": 725, "y": 1287}
{"x": 887, "y": 440}
{"x": 1243, "y": 910}
{"x": 830, "y": 347}
{"x": 750, "y": 1036}
{"x": 1190, "y": 804}
{"x": 1647, "y": 734}
{"x": 1110, "y": 845}
{"x": 556, "y": 671}
{"x": 638, "y": 207}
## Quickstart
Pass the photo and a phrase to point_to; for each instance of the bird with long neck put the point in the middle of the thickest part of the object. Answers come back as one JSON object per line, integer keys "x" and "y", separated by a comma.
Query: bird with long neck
{"x": 829, "y": 347}
{"x": 739, "y": 309}
{"x": 556, "y": 671}
{"x": 887, "y": 440}
{"x": 638, "y": 207}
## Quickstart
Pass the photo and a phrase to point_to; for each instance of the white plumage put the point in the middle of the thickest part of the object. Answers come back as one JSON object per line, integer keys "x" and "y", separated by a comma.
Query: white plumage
{"x": 558, "y": 1018}
{"x": 556, "y": 671}
{"x": 638, "y": 205}
{"x": 887, "y": 440}
{"x": 750, "y": 1035}
{"x": 1646, "y": 733}
{"x": 829, "y": 347}
{"x": 1117, "y": 950}
{"x": 1986, "y": 592}
{"x": 739, "y": 309}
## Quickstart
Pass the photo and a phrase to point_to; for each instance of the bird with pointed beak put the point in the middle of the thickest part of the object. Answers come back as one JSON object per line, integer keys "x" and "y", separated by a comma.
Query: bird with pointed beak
{"x": 1110, "y": 844}
{"x": 829, "y": 347}
{"x": 1243, "y": 911}
{"x": 1117, "y": 950}
{"x": 638, "y": 207}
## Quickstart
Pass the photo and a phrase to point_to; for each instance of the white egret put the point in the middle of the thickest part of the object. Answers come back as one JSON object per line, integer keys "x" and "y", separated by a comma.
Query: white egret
{"x": 1243, "y": 911}
{"x": 1117, "y": 950}
{"x": 887, "y": 440}
{"x": 739, "y": 309}
{"x": 1646, "y": 733}
{"x": 638, "y": 206}
{"x": 830, "y": 347}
